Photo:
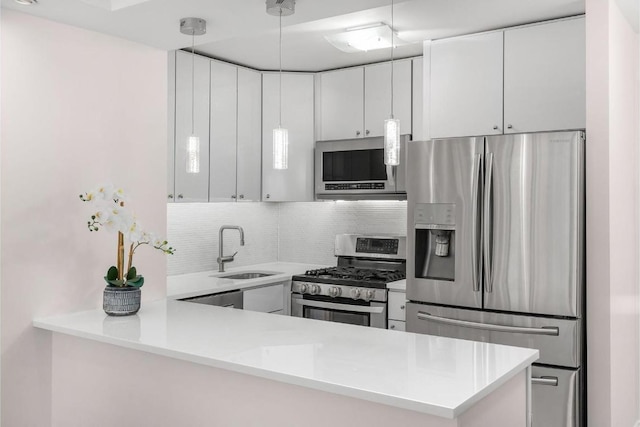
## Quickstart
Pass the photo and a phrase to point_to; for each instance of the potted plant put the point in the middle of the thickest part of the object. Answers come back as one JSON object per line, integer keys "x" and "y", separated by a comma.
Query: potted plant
{"x": 122, "y": 293}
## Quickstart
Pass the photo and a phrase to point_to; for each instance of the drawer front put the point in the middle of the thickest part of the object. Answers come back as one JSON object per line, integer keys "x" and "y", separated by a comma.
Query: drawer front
{"x": 556, "y": 396}
{"x": 397, "y": 306}
{"x": 558, "y": 340}
{"x": 266, "y": 300}
{"x": 396, "y": 325}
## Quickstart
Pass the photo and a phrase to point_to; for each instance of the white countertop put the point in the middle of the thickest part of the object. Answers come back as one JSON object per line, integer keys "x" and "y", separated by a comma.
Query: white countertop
{"x": 398, "y": 285}
{"x": 433, "y": 375}
{"x": 208, "y": 282}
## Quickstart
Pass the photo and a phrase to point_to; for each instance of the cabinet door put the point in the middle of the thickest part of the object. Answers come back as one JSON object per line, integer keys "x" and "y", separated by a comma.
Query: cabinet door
{"x": 466, "y": 86}
{"x": 224, "y": 97}
{"x": 341, "y": 104}
{"x": 249, "y": 135}
{"x": 171, "y": 128}
{"x": 544, "y": 77}
{"x": 294, "y": 184}
{"x": 377, "y": 96}
{"x": 418, "y": 120}
{"x": 191, "y": 187}
{"x": 266, "y": 300}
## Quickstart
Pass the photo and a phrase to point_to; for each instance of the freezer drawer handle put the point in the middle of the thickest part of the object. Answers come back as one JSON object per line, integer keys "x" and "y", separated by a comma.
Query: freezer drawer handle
{"x": 545, "y": 330}
{"x": 552, "y": 381}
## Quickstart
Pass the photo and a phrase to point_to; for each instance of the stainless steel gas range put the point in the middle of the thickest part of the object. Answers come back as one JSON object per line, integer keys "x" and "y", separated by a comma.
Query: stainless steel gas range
{"x": 355, "y": 291}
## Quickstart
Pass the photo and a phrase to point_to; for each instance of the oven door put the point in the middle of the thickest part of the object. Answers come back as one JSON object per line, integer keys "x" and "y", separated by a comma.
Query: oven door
{"x": 355, "y": 169}
{"x": 341, "y": 310}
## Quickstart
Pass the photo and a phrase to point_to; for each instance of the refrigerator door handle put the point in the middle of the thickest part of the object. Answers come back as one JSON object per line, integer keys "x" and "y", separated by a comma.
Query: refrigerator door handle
{"x": 551, "y": 381}
{"x": 477, "y": 170}
{"x": 487, "y": 222}
{"x": 545, "y": 330}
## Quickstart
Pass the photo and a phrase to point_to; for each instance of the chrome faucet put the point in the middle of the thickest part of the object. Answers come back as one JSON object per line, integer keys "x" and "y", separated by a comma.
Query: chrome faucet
{"x": 229, "y": 258}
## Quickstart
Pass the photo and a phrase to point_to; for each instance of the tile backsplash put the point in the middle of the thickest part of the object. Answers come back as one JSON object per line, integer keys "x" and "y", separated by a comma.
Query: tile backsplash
{"x": 286, "y": 232}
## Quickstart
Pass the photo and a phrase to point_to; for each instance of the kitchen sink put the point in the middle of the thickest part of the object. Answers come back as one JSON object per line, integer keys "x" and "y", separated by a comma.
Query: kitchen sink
{"x": 246, "y": 275}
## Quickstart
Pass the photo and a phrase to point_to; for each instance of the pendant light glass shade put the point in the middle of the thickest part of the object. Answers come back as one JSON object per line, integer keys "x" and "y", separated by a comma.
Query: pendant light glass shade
{"x": 392, "y": 142}
{"x": 193, "y": 154}
{"x": 280, "y": 148}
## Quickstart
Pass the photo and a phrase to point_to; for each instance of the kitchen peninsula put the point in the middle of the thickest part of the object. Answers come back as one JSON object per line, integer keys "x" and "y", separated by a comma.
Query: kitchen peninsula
{"x": 248, "y": 368}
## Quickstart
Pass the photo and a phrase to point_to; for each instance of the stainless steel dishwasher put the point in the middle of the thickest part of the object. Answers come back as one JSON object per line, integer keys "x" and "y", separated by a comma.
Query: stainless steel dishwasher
{"x": 231, "y": 299}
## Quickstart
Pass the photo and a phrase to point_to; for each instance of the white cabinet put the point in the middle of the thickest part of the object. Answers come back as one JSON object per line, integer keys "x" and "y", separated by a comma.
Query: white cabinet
{"x": 526, "y": 79}
{"x": 545, "y": 77}
{"x": 397, "y": 310}
{"x": 171, "y": 127}
{"x": 191, "y": 187}
{"x": 418, "y": 122}
{"x": 377, "y": 96}
{"x": 355, "y": 102}
{"x": 249, "y": 161}
{"x": 466, "y": 86}
{"x": 222, "y": 143}
{"x": 341, "y": 113}
{"x": 268, "y": 299}
{"x": 294, "y": 184}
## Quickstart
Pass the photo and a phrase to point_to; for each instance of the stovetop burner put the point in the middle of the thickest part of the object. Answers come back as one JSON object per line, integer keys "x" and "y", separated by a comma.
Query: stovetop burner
{"x": 354, "y": 276}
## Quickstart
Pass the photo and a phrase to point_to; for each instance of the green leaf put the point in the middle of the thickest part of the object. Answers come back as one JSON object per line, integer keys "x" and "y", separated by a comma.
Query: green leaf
{"x": 132, "y": 273}
{"x": 114, "y": 282}
{"x": 137, "y": 282}
{"x": 112, "y": 273}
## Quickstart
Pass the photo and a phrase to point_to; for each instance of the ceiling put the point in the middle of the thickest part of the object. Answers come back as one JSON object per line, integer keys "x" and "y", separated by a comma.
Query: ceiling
{"x": 241, "y": 31}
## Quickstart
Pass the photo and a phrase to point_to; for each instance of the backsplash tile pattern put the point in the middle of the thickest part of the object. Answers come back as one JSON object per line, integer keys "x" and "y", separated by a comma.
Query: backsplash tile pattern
{"x": 318, "y": 223}
{"x": 287, "y": 232}
{"x": 192, "y": 228}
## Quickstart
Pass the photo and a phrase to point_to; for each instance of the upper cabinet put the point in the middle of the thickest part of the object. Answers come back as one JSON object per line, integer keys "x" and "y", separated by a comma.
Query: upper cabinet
{"x": 542, "y": 87}
{"x": 355, "y": 102}
{"x": 228, "y": 120}
{"x": 191, "y": 187}
{"x": 545, "y": 77}
{"x": 294, "y": 184}
{"x": 466, "y": 86}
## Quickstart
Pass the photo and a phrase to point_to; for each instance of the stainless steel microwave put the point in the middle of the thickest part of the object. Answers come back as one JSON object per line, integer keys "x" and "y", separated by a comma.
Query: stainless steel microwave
{"x": 354, "y": 169}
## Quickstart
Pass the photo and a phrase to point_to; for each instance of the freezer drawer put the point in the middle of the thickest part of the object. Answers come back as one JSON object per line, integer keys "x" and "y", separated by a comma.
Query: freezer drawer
{"x": 556, "y": 397}
{"x": 558, "y": 340}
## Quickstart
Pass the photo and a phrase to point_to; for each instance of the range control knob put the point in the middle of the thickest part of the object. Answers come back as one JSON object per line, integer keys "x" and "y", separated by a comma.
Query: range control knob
{"x": 303, "y": 288}
{"x": 334, "y": 291}
{"x": 355, "y": 293}
{"x": 315, "y": 289}
{"x": 369, "y": 294}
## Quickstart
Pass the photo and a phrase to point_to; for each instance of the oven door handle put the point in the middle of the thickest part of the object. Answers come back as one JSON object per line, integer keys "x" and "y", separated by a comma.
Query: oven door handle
{"x": 344, "y": 307}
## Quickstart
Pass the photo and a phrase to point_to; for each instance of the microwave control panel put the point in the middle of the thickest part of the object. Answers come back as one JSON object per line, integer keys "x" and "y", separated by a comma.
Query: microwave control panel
{"x": 377, "y": 246}
{"x": 356, "y": 186}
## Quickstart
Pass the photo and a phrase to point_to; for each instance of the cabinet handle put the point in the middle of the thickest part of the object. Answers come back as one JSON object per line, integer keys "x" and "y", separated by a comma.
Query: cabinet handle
{"x": 233, "y": 196}
{"x": 509, "y": 127}
{"x": 357, "y": 133}
{"x": 242, "y": 196}
{"x": 170, "y": 196}
{"x": 367, "y": 132}
{"x": 402, "y": 307}
{"x": 495, "y": 128}
{"x": 180, "y": 196}
{"x": 392, "y": 327}
{"x": 268, "y": 196}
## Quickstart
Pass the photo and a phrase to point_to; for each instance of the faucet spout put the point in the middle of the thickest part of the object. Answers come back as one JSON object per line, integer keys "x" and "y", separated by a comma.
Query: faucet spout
{"x": 229, "y": 258}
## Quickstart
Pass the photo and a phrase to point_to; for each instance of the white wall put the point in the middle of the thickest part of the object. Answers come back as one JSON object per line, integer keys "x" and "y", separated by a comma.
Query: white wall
{"x": 612, "y": 217}
{"x": 78, "y": 108}
{"x": 288, "y": 232}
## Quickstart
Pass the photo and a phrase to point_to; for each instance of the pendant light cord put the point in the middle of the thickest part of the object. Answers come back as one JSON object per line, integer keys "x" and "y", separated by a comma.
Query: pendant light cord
{"x": 193, "y": 75}
{"x": 392, "y": 31}
{"x": 280, "y": 67}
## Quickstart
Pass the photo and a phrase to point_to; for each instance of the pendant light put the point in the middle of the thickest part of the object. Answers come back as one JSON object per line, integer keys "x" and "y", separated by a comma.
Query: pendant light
{"x": 280, "y": 8}
{"x": 392, "y": 125}
{"x": 193, "y": 27}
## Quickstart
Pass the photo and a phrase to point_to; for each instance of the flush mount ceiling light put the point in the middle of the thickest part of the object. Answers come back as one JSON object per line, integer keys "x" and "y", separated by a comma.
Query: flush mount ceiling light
{"x": 27, "y": 2}
{"x": 365, "y": 38}
{"x": 193, "y": 27}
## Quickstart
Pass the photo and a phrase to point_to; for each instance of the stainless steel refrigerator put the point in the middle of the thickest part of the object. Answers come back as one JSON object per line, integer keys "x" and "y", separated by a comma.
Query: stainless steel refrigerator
{"x": 495, "y": 239}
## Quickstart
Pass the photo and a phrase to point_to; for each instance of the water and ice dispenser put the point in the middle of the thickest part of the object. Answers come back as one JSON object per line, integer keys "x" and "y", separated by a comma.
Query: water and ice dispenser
{"x": 435, "y": 232}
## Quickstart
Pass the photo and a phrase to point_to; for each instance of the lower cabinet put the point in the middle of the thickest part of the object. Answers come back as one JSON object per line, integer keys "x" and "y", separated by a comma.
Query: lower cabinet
{"x": 268, "y": 299}
{"x": 397, "y": 310}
